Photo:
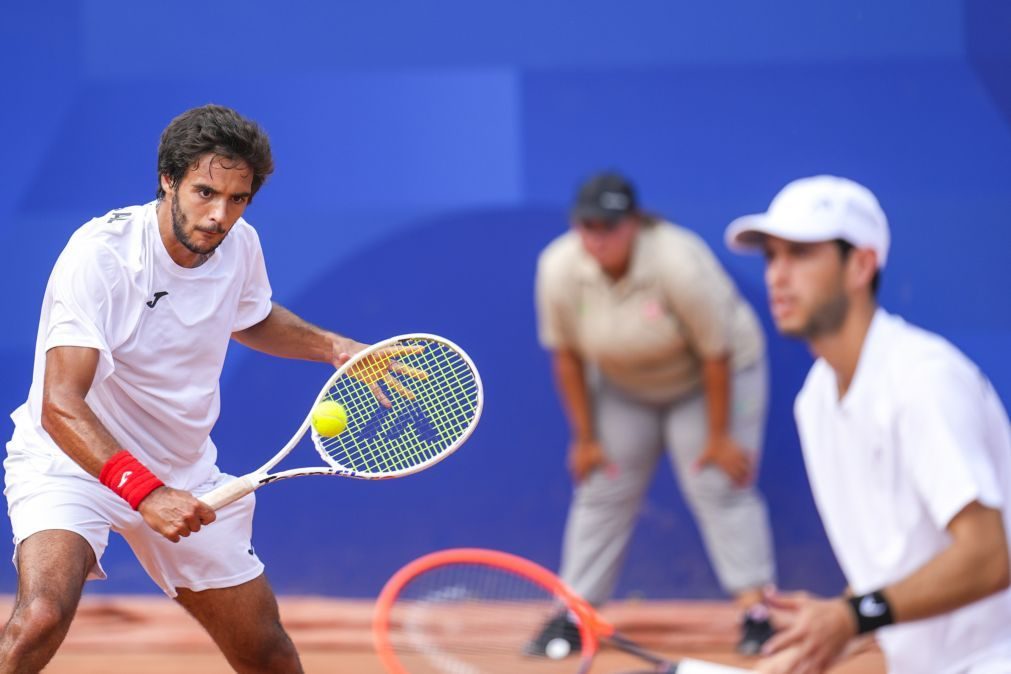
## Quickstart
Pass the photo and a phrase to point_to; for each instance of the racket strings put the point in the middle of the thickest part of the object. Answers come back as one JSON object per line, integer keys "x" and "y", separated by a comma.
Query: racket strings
{"x": 418, "y": 427}
{"x": 473, "y": 619}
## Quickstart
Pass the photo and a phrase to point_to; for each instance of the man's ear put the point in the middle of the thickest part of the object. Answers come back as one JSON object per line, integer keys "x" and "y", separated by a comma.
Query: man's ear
{"x": 863, "y": 265}
{"x": 166, "y": 183}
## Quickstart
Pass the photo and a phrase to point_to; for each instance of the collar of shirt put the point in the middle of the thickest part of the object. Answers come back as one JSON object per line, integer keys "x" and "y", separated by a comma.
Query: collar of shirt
{"x": 871, "y": 362}
{"x": 588, "y": 270}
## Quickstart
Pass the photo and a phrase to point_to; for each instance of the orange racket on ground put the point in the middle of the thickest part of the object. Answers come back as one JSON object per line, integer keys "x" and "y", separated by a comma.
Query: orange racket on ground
{"x": 475, "y": 611}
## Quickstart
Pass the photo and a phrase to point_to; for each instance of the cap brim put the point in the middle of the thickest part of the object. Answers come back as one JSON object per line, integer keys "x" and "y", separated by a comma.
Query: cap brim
{"x": 595, "y": 214}
{"x": 747, "y": 233}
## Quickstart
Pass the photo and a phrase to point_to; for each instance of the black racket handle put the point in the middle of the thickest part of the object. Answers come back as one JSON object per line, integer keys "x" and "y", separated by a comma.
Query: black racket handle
{"x": 660, "y": 665}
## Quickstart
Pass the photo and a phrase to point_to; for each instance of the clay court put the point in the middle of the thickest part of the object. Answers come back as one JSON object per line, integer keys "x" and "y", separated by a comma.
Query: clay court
{"x": 116, "y": 635}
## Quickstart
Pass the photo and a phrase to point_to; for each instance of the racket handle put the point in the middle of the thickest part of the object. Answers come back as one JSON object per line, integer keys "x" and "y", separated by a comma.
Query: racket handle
{"x": 219, "y": 497}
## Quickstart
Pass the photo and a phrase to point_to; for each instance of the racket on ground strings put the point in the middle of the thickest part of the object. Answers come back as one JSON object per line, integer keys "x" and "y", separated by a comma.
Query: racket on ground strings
{"x": 476, "y": 611}
{"x": 435, "y": 399}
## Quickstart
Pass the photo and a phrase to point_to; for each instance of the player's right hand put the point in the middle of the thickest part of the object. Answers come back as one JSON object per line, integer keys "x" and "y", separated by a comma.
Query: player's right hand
{"x": 585, "y": 456}
{"x": 174, "y": 513}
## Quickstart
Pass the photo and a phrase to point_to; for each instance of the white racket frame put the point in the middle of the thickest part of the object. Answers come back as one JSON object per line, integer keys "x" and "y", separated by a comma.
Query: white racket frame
{"x": 241, "y": 486}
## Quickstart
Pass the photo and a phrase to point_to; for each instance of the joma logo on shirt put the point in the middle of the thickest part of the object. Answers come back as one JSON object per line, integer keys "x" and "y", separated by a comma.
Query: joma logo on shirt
{"x": 157, "y": 296}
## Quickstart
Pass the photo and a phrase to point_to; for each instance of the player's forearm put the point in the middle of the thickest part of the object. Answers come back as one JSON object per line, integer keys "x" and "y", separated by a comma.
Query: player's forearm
{"x": 974, "y": 566}
{"x": 284, "y": 334}
{"x": 73, "y": 426}
{"x": 716, "y": 386}
{"x": 571, "y": 383}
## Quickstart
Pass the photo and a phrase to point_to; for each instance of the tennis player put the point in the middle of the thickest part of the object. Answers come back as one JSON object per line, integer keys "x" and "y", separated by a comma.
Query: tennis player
{"x": 907, "y": 448}
{"x": 115, "y": 434}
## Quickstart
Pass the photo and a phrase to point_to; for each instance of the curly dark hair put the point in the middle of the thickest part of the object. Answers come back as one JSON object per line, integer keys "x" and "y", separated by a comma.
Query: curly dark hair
{"x": 218, "y": 130}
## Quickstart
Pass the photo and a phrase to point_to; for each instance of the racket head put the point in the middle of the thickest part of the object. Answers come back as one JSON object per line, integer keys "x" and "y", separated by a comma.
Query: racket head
{"x": 436, "y": 398}
{"x": 473, "y": 611}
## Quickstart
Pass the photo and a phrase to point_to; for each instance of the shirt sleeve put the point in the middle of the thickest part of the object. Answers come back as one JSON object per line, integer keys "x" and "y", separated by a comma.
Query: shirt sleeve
{"x": 702, "y": 297}
{"x": 254, "y": 301}
{"x": 554, "y": 328}
{"x": 942, "y": 430}
{"x": 83, "y": 289}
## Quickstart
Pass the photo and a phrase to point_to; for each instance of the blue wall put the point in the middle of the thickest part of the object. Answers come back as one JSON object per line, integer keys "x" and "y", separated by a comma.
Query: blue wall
{"x": 436, "y": 146}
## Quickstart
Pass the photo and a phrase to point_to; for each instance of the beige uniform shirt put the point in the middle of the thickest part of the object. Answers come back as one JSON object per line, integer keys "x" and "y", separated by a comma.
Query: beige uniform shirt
{"x": 649, "y": 331}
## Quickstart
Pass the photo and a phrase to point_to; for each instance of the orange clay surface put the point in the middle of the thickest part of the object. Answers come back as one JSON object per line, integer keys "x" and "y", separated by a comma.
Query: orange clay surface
{"x": 113, "y": 635}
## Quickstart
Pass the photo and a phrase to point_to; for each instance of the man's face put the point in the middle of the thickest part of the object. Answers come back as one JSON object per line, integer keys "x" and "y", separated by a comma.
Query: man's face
{"x": 208, "y": 200}
{"x": 807, "y": 287}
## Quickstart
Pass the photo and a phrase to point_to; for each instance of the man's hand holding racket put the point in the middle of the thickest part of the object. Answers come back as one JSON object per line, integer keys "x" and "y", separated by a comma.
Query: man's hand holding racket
{"x": 816, "y": 632}
{"x": 174, "y": 513}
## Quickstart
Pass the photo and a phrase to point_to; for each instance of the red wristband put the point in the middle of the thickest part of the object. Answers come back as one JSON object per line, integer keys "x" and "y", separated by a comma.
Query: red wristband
{"x": 129, "y": 478}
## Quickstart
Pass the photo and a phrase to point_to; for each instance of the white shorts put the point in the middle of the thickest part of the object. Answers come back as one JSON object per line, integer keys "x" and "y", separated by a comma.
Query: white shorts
{"x": 219, "y": 555}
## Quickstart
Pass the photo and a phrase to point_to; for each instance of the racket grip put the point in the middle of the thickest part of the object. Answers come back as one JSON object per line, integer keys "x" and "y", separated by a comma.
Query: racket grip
{"x": 219, "y": 497}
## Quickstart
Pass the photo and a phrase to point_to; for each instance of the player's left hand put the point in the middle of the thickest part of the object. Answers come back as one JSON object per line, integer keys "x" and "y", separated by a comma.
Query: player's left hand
{"x": 341, "y": 349}
{"x": 379, "y": 367}
{"x": 723, "y": 452}
{"x": 816, "y": 633}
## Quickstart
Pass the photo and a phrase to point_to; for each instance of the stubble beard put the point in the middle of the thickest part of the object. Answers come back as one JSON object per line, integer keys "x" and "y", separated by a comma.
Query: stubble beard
{"x": 827, "y": 319}
{"x": 179, "y": 223}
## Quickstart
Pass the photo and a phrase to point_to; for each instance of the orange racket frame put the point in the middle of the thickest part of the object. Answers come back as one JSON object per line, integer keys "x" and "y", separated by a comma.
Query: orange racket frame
{"x": 591, "y": 626}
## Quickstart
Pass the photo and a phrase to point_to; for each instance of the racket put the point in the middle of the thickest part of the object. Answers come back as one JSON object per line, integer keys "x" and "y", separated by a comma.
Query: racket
{"x": 475, "y": 611}
{"x": 435, "y": 399}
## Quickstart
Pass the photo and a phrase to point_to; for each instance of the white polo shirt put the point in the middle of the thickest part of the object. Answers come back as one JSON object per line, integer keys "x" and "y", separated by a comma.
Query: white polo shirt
{"x": 161, "y": 331}
{"x": 649, "y": 331}
{"x": 919, "y": 435}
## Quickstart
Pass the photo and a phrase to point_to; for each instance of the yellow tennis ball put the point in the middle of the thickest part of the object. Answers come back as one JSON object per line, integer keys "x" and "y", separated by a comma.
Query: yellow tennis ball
{"x": 329, "y": 418}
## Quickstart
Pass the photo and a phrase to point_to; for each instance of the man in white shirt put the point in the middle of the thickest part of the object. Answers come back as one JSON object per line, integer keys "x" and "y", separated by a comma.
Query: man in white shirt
{"x": 907, "y": 448}
{"x": 115, "y": 434}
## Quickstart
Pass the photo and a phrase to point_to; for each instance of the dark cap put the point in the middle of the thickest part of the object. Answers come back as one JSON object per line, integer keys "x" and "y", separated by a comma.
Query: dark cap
{"x": 606, "y": 197}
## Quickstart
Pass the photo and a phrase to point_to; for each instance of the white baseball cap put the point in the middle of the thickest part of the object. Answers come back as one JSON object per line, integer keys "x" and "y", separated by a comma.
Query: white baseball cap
{"x": 819, "y": 208}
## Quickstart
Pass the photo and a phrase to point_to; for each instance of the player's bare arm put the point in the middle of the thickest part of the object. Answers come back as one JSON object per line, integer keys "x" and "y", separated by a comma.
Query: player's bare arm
{"x": 72, "y": 424}
{"x": 974, "y": 566}
{"x": 66, "y": 416}
{"x": 285, "y": 334}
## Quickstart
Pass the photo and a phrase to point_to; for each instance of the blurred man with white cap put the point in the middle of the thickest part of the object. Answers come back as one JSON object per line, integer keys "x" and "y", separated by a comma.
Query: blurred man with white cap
{"x": 907, "y": 448}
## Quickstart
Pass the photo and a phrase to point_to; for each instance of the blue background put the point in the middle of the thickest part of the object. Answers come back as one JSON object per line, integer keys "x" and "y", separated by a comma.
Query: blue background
{"x": 427, "y": 151}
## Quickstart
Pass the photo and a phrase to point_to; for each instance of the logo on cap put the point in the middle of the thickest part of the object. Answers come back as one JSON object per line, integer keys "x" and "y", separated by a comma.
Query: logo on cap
{"x": 614, "y": 201}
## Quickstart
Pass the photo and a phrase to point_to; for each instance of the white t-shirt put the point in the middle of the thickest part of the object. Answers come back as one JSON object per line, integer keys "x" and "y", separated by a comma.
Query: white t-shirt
{"x": 161, "y": 331}
{"x": 919, "y": 435}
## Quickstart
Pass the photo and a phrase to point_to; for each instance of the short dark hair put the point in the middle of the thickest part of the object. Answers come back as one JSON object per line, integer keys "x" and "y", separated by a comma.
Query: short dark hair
{"x": 845, "y": 247}
{"x": 212, "y": 129}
